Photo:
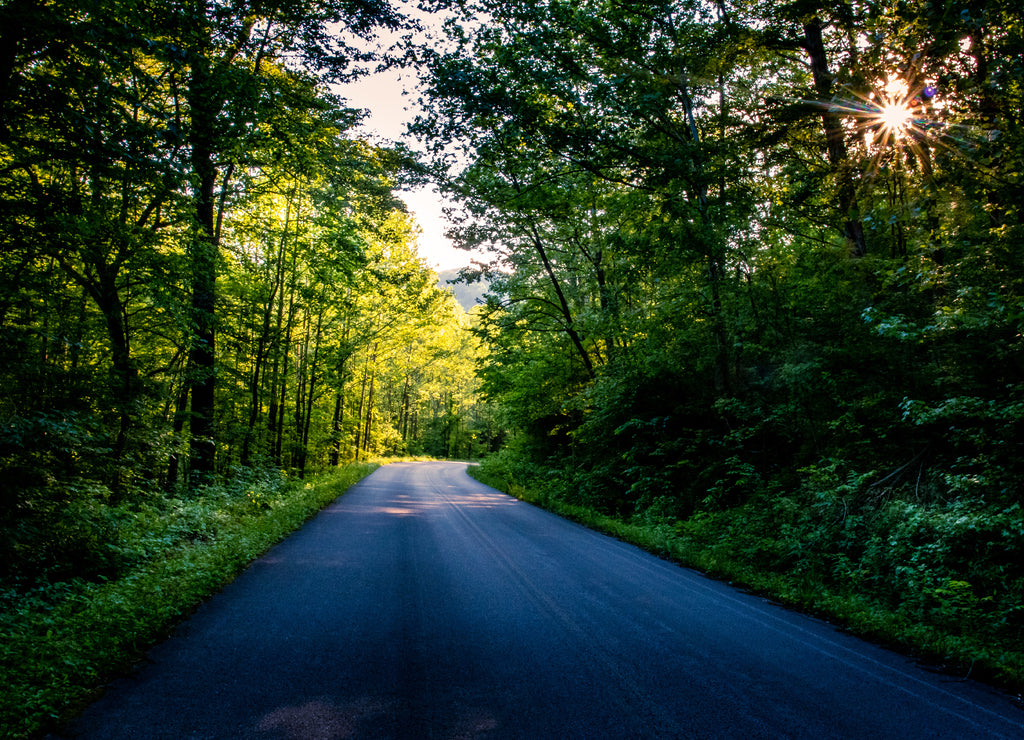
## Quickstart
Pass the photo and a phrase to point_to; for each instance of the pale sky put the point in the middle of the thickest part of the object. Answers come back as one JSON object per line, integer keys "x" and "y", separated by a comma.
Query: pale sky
{"x": 381, "y": 94}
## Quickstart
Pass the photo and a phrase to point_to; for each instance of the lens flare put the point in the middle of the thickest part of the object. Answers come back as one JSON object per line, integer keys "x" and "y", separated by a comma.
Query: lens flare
{"x": 897, "y": 121}
{"x": 895, "y": 117}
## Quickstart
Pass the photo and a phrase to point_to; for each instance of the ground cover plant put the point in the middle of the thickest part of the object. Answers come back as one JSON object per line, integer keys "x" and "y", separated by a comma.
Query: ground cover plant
{"x": 63, "y": 639}
{"x": 940, "y": 580}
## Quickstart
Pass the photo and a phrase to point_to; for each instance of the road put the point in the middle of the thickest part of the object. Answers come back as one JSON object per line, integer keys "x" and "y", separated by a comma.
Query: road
{"x": 423, "y": 604}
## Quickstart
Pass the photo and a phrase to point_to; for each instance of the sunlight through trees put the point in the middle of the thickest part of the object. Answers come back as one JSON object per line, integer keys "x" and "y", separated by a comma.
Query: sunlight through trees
{"x": 204, "y": 269}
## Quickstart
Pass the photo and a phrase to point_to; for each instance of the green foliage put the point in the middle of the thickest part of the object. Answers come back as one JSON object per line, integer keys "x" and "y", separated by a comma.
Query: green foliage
{"x": 64, "y": 639}
{"x": 730, "y": 302}
{"x": 55, "y": 512}
{"x": 206, "y": 277}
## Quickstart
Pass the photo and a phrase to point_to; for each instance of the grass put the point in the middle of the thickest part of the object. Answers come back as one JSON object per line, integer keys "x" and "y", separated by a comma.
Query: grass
{"x": 705, "y": 545}
{"x": 62, "y": 643}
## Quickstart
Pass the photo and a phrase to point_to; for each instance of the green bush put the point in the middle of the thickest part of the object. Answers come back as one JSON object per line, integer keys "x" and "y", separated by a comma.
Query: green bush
{"x": 937, "y": 576}
{"x": 63, "y": 639}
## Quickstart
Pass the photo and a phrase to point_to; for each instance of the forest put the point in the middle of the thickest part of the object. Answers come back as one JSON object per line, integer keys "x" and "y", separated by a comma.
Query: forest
{"x": 756, "y": 288}
{"x": 751, "y": 280}
{"x": 205, "y": 273}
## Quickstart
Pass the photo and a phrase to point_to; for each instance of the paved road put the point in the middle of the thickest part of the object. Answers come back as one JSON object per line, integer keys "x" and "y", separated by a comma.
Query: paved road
{"x": 424, "y": 605}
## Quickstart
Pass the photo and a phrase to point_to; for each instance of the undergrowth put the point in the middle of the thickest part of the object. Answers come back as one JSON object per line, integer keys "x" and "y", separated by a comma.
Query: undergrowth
{"x": 62, "y": 640}
{"x": 940, "y": 581}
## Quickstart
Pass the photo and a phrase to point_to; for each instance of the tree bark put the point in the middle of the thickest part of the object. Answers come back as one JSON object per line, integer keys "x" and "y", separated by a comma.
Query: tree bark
{"x": 563, "y": 303}
{"x": 369, "y": 409}
{"x": 206, "y": 95}
{"x": 203, "y": 109}
{"x": 339, "y": 413}
{"x": 852, "y": 226}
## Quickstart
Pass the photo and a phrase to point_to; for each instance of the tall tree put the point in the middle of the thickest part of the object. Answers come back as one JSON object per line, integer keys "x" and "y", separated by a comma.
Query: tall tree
{"x": 228, "y": 50}
{"x": 726, "y": 162}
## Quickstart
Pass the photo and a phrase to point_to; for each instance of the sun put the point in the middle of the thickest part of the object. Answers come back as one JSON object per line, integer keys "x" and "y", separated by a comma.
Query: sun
{"x": 893, "y": 113}
{"x": 896, "y": 118}
{"x": 900, "y": 121}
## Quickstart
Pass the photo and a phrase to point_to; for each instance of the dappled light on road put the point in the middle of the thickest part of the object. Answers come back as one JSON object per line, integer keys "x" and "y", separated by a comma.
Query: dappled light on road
{"x": 364, "y": 717}
{"x": 419, "y": 496}
{"x": 321, "y": 720}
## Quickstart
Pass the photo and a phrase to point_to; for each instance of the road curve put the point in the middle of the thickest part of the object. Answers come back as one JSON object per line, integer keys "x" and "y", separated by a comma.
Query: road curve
{"x": 423, "y": 604}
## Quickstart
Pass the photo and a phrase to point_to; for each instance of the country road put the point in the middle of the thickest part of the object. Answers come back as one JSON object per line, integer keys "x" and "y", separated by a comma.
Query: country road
{"x": 422, "y": 604}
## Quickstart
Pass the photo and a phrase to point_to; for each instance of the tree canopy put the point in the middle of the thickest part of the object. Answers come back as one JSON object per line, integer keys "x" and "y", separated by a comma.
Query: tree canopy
{"x": 748, "y": 264}
{"x": 756, "y": 261}
{"x": 204, "y": 268}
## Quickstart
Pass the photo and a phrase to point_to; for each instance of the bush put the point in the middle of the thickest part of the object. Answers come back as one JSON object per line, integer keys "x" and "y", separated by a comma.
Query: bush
{"x": 63, "y": 639}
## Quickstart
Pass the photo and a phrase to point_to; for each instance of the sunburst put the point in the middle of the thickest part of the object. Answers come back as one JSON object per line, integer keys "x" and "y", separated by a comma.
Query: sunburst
{"x": 891, "y": 112}
{"x": 896, "y": 118}
{"x": 892, "y": 119}
{"x": 900, "y": 122}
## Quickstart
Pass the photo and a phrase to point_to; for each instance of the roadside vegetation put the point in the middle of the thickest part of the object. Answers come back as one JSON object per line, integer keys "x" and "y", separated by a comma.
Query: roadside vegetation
{"x": 751, "y": 294}
{"x": 64, "y": 639}
{"x": 755, "y": 295}
{"x": 939, "y": 581}
{"x": 210, "y": 289}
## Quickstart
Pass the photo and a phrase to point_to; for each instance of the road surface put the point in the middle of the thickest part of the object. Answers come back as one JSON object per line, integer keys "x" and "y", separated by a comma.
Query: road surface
{"x": 423, "y": 604}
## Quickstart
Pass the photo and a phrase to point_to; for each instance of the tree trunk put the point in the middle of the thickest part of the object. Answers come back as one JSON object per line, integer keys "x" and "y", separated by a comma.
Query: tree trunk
{"x": 206, "y": 95}
{"x": 852, "y": 228}
{"x": 301, "y": 380}
{"x": 563, "y": 303}
{"x": 178, "y": 426}
{"x": 109, "y": 302}
{"x": 203, "y": 259}
{"x": 305, "y": 416}
{"x": 369, "y": 410}
{"x": 263, "y": 343}
{"x": 405, "y": 411}
{"x": 339, "y": 413}
{"x": 282, "y": 403}
{"x": 359, "y": 411}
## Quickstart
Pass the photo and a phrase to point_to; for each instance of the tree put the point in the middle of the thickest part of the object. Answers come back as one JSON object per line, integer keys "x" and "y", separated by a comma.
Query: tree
{"x": 227, "y": 92}
{"x": 673, "y": 195}
{"x": 195, "y": 251}
{"x": 90, "y": 175}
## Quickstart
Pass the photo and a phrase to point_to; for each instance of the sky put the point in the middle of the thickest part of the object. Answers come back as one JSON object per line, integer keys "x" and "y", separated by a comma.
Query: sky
{"x": 381, "y": 95}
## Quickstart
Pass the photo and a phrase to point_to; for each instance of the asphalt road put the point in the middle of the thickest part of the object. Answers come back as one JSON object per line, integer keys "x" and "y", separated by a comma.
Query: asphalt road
{"x": 423, "y": 604}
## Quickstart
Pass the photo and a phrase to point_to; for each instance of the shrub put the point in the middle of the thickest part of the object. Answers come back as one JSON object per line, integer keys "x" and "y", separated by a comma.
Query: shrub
{"x": 63, "y": 639}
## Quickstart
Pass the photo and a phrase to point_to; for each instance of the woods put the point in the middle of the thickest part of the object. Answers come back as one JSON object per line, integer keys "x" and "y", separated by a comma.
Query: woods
{"x": 207, "y": 274}
{"x": 753, "y": 282}
{"x": 756, "y": 283}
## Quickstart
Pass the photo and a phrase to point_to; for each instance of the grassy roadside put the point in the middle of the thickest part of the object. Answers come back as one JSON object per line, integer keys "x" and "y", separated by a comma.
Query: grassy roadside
{"x": 60, "y": 644}
{"x": 705, "y": 545}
